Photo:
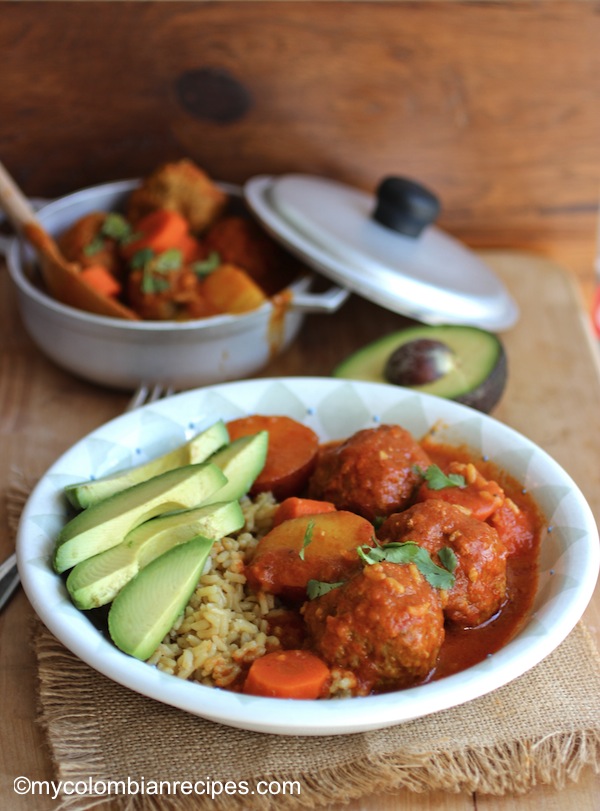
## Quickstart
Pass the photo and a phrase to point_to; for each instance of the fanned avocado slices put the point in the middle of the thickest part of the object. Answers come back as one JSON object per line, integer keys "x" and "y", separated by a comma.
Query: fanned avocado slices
{"x": 196, "y": 450}
{"x": 97, "y": 580}
{"x": 105, "y": 524}
{"x": 461, "y": 363}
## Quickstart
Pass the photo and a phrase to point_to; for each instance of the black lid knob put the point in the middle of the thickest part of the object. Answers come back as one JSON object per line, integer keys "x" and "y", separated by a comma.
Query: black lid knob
{"x": 405, "y": 206}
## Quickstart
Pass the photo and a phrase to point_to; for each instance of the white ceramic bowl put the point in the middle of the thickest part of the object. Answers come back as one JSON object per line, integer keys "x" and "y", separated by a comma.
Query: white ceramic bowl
{"x": 569, "y": 556}
{"x": 124, "y": 354}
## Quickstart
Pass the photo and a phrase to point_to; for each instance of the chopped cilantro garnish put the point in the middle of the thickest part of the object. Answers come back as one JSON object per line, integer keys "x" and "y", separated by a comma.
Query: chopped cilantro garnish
{"x": 448, "y": 558}
{"x": 206, "y": 266}
{"x": 409, "y": 552}
{"x": 95, "y": 246}
{"x": 153, "y": 284}
{"x": 116, "y": 227}
{"x": 131, "y": 237}
{"x": 153, "y": 268}
{"x": 437, "y": 479}
{"x": 307, "y": 538}
{"x": 316, "y": 588}
{"x": 170, "y": 259}
{"x": 141, "y": 258}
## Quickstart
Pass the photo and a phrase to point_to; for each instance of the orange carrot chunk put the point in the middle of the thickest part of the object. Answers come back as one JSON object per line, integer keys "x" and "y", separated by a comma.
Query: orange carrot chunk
{"x": 160, "y": 230}
{"x": 291, "y": 455}
{"x": 190, "y": 248}
{"x": 477, "y": 495}
{"x": 294, "y": 507}
{"x": 101, "y": 279}
{"x": 287, "y": 674}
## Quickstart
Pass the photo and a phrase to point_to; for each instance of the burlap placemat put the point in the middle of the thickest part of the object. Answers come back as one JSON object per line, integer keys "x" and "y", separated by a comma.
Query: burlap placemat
{"x": 543, "y": 728}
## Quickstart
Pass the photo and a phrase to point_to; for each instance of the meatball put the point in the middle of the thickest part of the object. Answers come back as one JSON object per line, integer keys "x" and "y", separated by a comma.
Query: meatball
{"x": 386, "y": 625}
{"x": 180, "y": 186}
{"x": 239, "y": 241}
{"x": 480, "y": 575}
{"x": 372, "y": 473}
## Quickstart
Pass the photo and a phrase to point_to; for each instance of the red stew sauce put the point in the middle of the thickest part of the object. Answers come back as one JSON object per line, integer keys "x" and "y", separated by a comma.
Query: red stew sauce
{"x": 463, "y": 648}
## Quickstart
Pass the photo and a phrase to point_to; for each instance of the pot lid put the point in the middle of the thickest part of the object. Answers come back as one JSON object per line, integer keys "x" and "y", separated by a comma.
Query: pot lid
{"x": 384, "y": 248}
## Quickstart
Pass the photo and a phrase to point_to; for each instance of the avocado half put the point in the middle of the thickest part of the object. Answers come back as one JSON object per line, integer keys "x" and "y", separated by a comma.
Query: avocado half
{"x": 475, "y": 376}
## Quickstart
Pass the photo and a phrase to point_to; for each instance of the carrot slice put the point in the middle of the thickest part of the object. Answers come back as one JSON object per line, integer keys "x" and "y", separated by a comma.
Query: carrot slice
{"x": 160, "y": 230}
{"x": 101, "y": 279}
{"x": 481, "y": 497}
{"x": 190, "y": 248}
{"x": 294, "y": 507}
{"x": 287, "y": 674}
{"x": 291, "y": 455}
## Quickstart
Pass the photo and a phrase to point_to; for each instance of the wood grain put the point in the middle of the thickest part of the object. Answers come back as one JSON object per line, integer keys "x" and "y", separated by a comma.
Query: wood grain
{"x": 493, "y": 105}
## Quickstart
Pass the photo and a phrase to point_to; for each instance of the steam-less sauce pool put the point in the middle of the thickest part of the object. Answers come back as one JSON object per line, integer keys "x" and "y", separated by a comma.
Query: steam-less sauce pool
{"x": 464, "y": 648}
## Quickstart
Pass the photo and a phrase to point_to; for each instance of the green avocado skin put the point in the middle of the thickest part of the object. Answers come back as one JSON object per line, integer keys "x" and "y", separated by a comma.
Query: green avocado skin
{"x": 478, "y": 379}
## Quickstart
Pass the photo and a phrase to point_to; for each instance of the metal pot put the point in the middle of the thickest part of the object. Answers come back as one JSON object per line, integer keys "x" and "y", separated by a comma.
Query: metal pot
{"x": 125, "y": 354}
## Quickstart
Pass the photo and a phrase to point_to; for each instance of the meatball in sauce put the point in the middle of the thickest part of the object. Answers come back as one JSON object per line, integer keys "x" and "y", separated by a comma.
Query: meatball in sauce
{"x": 385, "y": 624}
{"x": 373, "y": 473}
{"x": 480, "y": 575}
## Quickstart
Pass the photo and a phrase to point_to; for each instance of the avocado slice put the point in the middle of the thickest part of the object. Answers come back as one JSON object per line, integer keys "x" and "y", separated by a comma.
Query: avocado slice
{"x": 470, "y": 368}
{"x": 241, "y": 461}
{"x": 97, "y": 580}
{"x": 146, "y": 608}
{"x": 198, "y": 449}
{"x": 106, "y": 523}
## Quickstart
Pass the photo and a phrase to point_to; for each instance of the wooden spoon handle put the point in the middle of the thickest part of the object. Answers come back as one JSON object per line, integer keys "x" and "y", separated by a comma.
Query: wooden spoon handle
{"x": 14, "y": 202}
{"x": 61, "y": 277}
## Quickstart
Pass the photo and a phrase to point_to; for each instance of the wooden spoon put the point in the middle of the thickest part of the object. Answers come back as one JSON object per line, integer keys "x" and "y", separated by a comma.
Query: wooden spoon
{"x": 61, "y": 278}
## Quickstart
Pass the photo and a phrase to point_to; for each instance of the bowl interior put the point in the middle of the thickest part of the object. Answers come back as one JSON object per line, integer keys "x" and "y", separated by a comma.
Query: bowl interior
{"x": 569, "y": 558}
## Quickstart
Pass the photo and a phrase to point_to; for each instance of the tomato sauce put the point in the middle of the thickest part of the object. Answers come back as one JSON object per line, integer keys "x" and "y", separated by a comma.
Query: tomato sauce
{"x": 463, "y": 648}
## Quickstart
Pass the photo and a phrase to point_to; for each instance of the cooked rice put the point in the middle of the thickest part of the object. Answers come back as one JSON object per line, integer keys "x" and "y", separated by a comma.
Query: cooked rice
{"x": 224, "y": 626}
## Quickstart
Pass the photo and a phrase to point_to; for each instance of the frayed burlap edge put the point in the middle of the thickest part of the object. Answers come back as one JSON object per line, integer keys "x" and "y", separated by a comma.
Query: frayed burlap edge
{"x": 510, "y": 768}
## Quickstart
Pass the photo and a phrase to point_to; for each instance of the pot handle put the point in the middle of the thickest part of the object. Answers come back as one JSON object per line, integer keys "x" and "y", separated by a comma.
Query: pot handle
{"x": 327, "y": 302}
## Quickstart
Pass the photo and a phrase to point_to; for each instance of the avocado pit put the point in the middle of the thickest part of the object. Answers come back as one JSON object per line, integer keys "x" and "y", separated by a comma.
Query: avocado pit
{"x": 419, "y": 362}
{"x": 461, "y": 363}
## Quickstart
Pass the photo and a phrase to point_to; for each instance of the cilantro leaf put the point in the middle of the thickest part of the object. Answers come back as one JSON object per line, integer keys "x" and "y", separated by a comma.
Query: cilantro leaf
{"x": 133, "y": 236}
{"x": 168, "y": 260}
{"x": 410, "y": 552}
{"x": 437, "y": 479}
{"x": 307, "y": 538}
{"x": 316, "y": 588}
{"x": 116, "y": 227}
{"x": 141, "y": 258}
{"x": 150, "y": 284}
{"x": 206, "y": 266}
{"x": 95, "y": 246}
{"x": 448, "y": 558}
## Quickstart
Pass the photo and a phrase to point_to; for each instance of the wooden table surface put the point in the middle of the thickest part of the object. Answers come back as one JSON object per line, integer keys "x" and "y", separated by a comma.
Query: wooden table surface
{"x": 553, "y": 396}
